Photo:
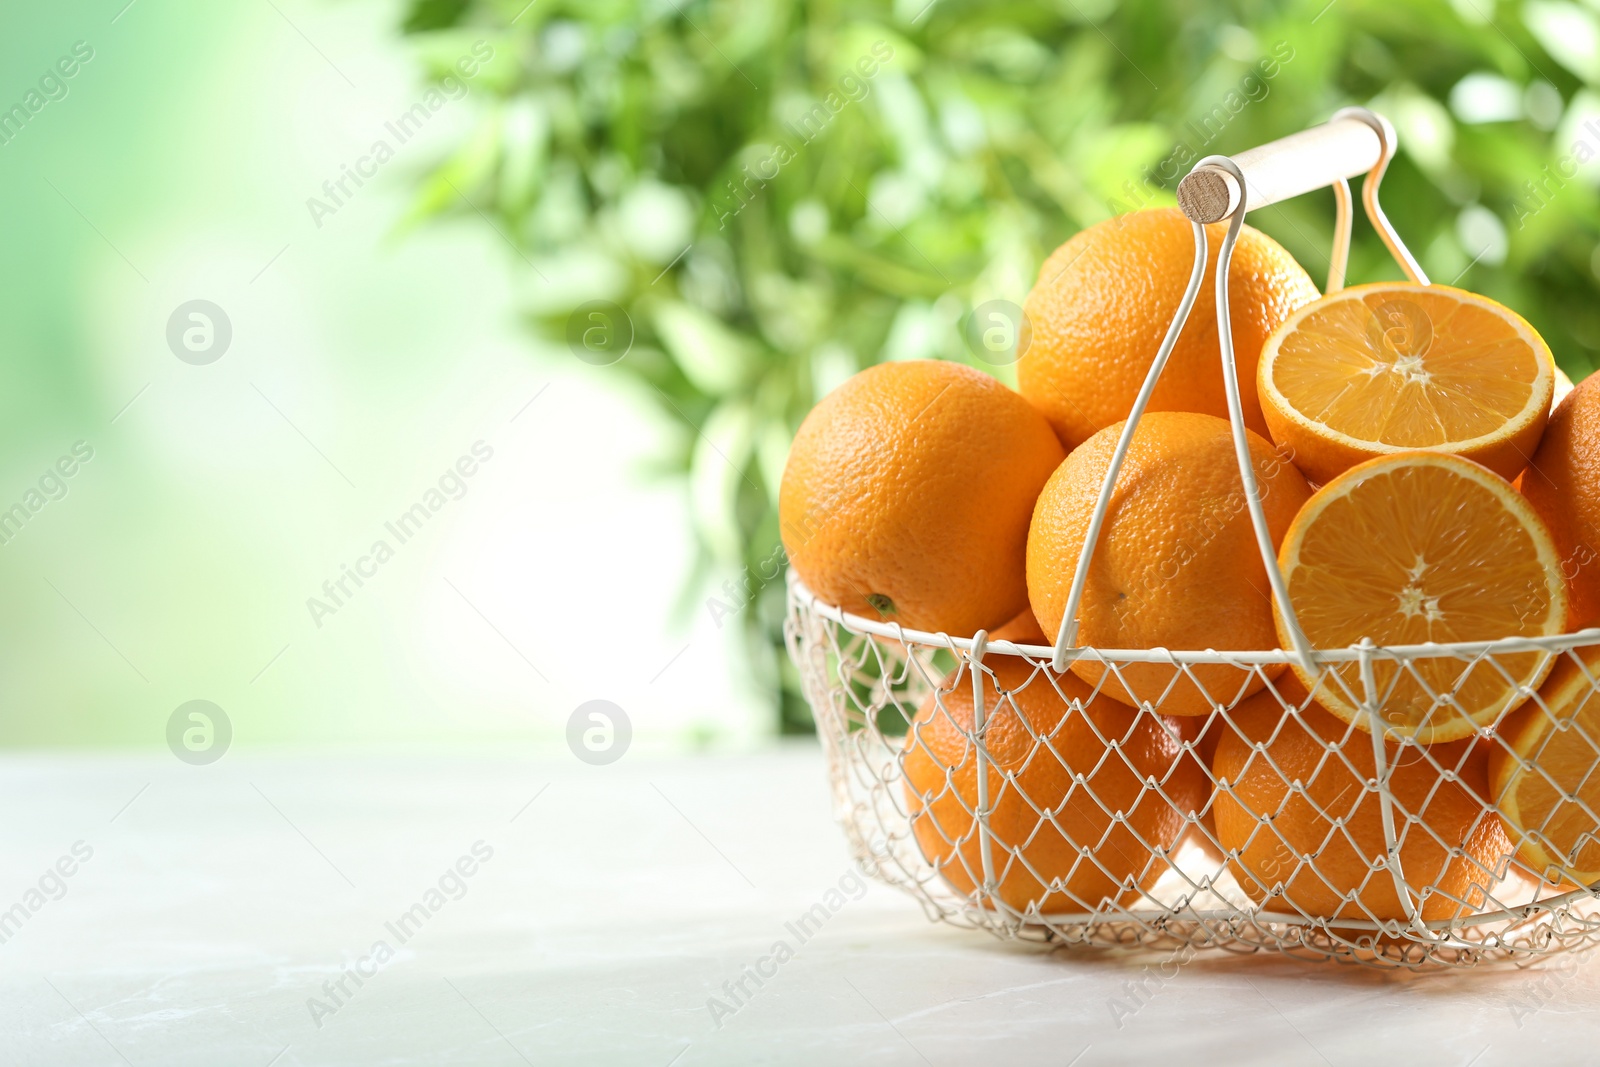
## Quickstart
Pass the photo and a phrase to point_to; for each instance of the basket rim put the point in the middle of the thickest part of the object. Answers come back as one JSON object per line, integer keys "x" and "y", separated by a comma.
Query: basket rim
{"x": 1418, "y": 928}
{"x": 800, "y": 593}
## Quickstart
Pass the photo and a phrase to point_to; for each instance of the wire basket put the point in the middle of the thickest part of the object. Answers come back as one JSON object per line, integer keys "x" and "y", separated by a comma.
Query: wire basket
{"x": 1004, "y": 791}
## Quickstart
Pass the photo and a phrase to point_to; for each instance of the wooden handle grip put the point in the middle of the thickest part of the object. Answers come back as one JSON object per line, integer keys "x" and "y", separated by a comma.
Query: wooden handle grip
{"x": 1282, "y": 169}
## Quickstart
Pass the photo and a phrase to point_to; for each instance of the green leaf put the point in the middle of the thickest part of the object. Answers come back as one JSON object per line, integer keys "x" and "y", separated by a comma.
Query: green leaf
{"x": 454, "y": 186}
{"x": 717, "y": 474}
{"x": 713, "y": 357}
{"x": 425, "y": 15}
{"x": 1569, "y": 33}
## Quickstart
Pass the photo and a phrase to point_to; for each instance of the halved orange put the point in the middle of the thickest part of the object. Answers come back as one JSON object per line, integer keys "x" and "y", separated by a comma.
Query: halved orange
{"x": 1414, "y": 548}
{"x": 1384, "y": 368}
{"x": 1545, "y": 773}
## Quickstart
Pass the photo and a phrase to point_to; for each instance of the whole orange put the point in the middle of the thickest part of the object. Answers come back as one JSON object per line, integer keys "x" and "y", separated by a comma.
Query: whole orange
{"x": 908, "y": 492}
{"x": 1039, "y": 739}
{"x": 1023, "y": 630}
{"x": 1176, "y": 565}
{"x": 1563, "y": 485}
{"x": 1104, "y": 300}
{"x": 1304, "y": 830}
{"x": 1205, "y": 732}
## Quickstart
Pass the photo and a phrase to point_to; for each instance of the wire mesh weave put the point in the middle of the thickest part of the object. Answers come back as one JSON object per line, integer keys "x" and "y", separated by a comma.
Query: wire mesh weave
{"x": 1098, "y": 823}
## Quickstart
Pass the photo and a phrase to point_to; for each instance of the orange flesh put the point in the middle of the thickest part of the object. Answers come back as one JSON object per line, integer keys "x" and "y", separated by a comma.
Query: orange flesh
{"x": 1417, "y": 553}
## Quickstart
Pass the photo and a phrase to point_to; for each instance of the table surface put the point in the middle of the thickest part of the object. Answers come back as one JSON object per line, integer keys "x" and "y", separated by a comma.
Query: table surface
{"x": 217, "y": 908}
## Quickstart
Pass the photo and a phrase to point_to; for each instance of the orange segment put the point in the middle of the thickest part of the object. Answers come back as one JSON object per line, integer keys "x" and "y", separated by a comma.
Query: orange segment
{"x": 1546, "y": 777}
{"x": 1382, "y": 368}
{"x": 1420, "y": 547}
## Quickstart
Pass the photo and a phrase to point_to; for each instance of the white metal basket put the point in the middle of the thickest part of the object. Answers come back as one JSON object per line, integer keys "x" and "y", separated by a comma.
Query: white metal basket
{"x": 867, "y": 680}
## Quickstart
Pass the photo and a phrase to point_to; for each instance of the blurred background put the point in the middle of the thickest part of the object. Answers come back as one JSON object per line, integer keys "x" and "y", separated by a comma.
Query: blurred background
{"x": 605, "y": 256}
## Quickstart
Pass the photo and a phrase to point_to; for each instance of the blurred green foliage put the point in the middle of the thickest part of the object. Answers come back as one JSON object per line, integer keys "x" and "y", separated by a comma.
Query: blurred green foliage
{"x": 671, "y": 156}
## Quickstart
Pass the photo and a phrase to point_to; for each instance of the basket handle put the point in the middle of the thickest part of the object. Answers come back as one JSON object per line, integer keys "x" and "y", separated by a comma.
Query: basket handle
{"x": 1220, "y": 187}
{"x": 1342, "y": 147}
{"x": 1354, "y": 141}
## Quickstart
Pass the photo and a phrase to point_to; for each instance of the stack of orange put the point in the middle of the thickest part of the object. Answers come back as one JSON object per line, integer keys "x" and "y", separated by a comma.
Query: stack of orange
{"x": 1071, "y": 828}
{"x": 1416, "y": 489}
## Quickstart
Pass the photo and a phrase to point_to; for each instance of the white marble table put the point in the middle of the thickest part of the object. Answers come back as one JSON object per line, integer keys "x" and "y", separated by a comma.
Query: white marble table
{"x": 218, "y": 901}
